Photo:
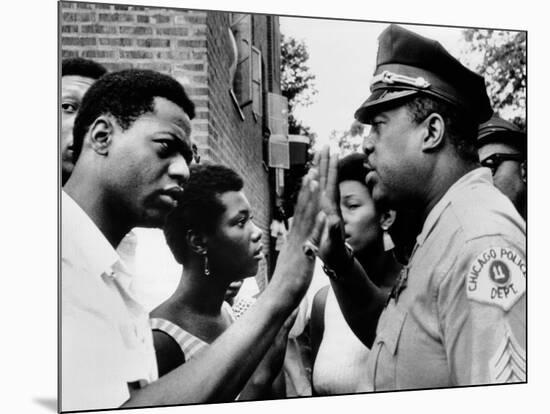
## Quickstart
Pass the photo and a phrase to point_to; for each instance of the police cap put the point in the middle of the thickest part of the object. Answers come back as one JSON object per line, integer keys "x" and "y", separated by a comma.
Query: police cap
{"x": 497, "y": 129}
{"x": 408, "y": 64}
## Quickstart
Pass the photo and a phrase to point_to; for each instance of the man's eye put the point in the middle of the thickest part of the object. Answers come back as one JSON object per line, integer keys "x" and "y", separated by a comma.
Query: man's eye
{"x": 242, "y": 222}
{"x": 68, "y": 108}
{"x": 166, "y": 146}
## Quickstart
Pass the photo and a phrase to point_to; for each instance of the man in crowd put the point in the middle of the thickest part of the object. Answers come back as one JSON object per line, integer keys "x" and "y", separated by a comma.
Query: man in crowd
{"x": 132, "y": 146}
{"x": 502, "y": 147}
{"x": 457, "y": 313}
{"x": 77, "y": 75}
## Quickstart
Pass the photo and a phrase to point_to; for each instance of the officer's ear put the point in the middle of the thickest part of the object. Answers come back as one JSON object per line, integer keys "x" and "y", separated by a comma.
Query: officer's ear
{"x": 196, "y": 241}
{"x": 101, "y": 134}
{"x": 434, "y": 131}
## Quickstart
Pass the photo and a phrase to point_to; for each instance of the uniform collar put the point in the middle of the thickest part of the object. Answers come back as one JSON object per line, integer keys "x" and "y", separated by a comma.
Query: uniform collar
{"x": 82, "y": 239}
{"x": 479, "y": 175}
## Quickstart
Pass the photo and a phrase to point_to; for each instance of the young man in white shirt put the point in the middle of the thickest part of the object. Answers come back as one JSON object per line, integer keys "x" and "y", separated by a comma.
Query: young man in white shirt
{"x": 132, "y": 146}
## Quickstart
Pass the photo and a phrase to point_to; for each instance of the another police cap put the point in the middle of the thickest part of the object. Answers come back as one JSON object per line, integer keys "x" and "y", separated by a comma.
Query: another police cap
{"x": 497, "y": 129}
{"x": 408, "y": 64}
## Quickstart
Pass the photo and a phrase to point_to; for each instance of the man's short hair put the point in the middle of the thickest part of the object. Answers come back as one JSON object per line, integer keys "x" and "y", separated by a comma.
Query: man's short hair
{"x": 82, "y": 67}
{"x": 460, "y": 128}
{"x": 199, "y": 207}
{"x": 126, "y": 95}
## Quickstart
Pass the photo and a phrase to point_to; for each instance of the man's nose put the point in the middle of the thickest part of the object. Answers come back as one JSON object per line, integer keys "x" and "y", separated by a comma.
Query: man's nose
{"x": 368, "y": 145}
{"x": 256, "y": 233}
{"x": 179, "y": 170}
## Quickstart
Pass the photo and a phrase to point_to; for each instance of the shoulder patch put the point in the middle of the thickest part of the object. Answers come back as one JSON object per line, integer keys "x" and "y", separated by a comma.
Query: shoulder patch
{"x": 497, "y": 277}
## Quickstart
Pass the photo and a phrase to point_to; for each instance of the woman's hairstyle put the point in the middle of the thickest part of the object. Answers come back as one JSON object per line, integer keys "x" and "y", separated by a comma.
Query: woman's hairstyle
{"x": 199, "y": 207}
{"x": 352, "y": 167}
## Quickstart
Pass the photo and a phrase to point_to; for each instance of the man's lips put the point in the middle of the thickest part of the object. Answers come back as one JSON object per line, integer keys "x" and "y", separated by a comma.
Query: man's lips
{"x": 259, "y": 252}
{"x": 171, "y": 195}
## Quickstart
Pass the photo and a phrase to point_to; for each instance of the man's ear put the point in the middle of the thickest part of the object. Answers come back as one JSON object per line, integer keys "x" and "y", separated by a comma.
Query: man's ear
{"x": 523, "y": 169}
{"x": 434, "y": 132}
{"x": 101, "y": 133}
{"x": 196, "y": 241}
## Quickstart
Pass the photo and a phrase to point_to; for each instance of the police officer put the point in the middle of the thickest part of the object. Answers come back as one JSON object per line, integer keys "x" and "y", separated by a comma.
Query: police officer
{"x": 502, "y": 147}
{"x": 456, "y": 316}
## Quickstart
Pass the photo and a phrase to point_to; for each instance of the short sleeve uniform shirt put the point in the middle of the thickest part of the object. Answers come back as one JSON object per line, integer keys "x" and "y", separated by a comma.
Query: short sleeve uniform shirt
{"x": 457, "y": 315}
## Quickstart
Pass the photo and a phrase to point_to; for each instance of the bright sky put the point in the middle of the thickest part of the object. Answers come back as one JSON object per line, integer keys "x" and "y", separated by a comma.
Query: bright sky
{"x": 342, "y": 55}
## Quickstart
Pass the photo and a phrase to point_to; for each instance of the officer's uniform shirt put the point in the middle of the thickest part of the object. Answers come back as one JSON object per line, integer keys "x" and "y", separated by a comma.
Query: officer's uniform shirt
{"x": 457, "y": 314}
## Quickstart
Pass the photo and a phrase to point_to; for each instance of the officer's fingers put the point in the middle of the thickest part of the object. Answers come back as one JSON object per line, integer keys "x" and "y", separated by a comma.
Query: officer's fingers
{"x": 323, "y": 166}
{"x": 317, "y": 231}
{"x": 332, "y": 179}
{"x": 302, "y": 196}
{"x": 312, "y": 204}
{"x": 334, "y": 225}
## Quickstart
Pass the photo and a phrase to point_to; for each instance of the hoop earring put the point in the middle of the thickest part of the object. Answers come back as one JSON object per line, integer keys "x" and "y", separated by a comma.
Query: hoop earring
{"x": 206, "y": 268}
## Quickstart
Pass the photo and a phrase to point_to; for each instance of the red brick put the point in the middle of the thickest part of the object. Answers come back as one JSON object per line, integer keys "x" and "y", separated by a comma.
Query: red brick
{"x": 78, "y": 41}
{"x": 136, "y": 30}
{"x": 78, "y": 17}
{"x": 116, "y": 17}
{"x": 120, "y": 41}
{"x": 161, "y": 18}
{"x": 69, "y": 53}
{"x": 153, "y": 42}
{"x": 69, "y": 28}
{"x": 99, "y": 29}
{"x": 172, "y": 31}
{"x": 191, "y": 43}
{"x": 102, "y": 54}
{"x": 135, "y": 54}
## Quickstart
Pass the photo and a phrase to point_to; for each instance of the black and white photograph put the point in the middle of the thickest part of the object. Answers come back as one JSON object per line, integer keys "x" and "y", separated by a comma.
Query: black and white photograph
{"x": 258, "y": 209}
{"x": 223, "y": 240}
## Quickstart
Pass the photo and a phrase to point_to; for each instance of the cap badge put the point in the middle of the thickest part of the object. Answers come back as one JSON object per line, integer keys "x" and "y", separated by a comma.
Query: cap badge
{"x": 391, "y": 78}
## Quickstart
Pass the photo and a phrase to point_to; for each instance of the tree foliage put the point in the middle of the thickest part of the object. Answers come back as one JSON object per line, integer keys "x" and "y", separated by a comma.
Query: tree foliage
{"x": 297, "y": 81}
{"x": 349, "y": 141}
{"x": 502, "y": 61}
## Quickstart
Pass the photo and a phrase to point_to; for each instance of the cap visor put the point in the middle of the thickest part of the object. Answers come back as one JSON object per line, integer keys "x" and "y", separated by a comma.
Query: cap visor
{"x": 379, "y": 99}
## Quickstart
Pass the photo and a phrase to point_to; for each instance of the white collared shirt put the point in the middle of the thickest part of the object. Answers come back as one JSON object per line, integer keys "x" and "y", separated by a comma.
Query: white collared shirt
{"x": 106, "y": 339}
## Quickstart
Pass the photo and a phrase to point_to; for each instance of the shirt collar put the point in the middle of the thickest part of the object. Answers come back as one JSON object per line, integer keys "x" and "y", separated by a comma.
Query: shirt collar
{"x": 479, "y": 175}
{"x": 81, "y": 238}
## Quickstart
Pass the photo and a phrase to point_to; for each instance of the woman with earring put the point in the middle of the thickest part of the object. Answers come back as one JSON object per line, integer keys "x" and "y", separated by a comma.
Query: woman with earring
{"x": 338, "y": 356}
{"x": 211, "y": 233}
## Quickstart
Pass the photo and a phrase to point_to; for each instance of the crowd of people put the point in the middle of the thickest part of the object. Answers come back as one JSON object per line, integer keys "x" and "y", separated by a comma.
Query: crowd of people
{"x": 418, "y": 241}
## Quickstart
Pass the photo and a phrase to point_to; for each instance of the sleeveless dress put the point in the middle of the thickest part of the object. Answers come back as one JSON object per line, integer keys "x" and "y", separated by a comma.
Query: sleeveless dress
{"x": 340, "y": 366}
{"x": 190, "y": 345}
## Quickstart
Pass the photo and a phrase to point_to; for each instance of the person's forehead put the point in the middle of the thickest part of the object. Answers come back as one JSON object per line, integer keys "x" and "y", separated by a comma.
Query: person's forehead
{"x": 353, "y": 187}
{"x": 168, "y": 112}
{"x": 75, "y": 83}
{"x": 495, "y": 148}
{"x": 234, "y": 202}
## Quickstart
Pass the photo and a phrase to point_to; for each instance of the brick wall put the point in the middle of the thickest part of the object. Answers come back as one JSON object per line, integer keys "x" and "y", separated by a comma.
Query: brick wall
{"x": 193, "y": 47}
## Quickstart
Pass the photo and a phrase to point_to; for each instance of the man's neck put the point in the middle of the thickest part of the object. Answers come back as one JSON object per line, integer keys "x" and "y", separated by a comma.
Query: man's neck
{"x": 443, "y": 177}
{"x": 97, "y": 206}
